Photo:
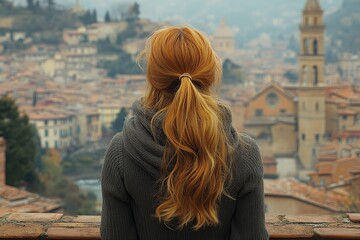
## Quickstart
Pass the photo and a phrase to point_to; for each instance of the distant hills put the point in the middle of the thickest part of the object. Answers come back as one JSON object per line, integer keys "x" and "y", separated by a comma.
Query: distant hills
{"x": 247, "y": 18}
{"x": 344, "y": 27}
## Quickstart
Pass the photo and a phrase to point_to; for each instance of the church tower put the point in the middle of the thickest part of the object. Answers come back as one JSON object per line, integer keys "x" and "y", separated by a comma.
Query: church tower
{"x": 311, "y": 98}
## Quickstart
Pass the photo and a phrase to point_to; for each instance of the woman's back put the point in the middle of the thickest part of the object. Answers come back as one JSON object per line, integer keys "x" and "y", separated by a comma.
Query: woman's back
{"x": 179, "y": 170}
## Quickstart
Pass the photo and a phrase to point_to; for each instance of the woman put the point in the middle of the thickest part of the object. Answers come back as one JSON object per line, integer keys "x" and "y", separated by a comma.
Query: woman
{"x": 179, "y": 170}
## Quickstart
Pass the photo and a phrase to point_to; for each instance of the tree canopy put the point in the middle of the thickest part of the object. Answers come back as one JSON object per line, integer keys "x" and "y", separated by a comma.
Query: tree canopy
{"x": 21, "y": 148}
{"x": 118, "y": 123}
{"x": 232, "y": 73}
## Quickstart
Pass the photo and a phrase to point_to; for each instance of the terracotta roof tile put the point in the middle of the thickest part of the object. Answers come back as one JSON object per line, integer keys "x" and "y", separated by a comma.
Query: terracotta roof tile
{"x": 73, "y": 233}
{"x": 338, "y": 233}
{"x": 31, "y": 217}
{"x": 16, "y": 231}
{"x": 293, "y": 189}
{"x": 311, "y": 219}
{"x": 354, "y": 217}
{"x": 290, "y": 231}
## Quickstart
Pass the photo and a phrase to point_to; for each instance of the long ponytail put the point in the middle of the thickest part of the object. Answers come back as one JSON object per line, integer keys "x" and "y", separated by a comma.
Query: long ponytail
{"x": 195, "y": 164}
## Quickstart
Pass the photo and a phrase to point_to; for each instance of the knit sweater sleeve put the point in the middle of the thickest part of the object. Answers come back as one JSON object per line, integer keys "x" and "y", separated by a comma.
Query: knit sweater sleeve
{"x": 248, "y": 221}
{"x": 117, "y": 221}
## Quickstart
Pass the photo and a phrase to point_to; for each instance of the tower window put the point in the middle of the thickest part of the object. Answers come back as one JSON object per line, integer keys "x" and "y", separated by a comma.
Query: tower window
{"x": 315, "y": 21}
{"x": 305, "y": 74}
{"x": 307, "y": 44}
{"x": 315, "y": 76}
{"x": 259, "y": 112}
{"x": 315, "y": 47}
{"x": 306, "y": 21}
{"x": 314, "y": 152}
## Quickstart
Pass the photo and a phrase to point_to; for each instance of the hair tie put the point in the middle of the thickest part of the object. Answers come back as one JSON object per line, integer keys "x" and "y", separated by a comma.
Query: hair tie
{"x": 185, "y": 75}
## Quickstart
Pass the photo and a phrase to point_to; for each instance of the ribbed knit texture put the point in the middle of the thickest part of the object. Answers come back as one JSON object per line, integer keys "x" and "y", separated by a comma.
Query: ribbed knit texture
{"x": 129, "y": 185}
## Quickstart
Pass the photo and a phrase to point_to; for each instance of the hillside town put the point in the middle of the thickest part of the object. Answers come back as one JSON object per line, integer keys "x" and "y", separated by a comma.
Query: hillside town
{"x": 303, "y": 113}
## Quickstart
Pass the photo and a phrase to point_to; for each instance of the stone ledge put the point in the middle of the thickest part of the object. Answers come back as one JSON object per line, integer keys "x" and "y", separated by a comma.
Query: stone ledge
{"x": 58, "y": 226}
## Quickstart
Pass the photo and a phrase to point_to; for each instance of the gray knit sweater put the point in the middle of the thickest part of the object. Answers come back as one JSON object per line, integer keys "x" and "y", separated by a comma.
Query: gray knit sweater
{"x": 132, "y": 168}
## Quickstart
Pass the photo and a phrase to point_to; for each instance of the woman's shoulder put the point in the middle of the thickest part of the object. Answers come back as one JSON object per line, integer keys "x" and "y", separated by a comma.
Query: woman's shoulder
{"x": 114, "y": 151}
{"x": 247, "y": 156}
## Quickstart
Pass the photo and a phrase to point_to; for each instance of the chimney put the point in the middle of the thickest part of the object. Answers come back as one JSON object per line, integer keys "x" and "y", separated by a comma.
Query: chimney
{"x": 2, "y": 162}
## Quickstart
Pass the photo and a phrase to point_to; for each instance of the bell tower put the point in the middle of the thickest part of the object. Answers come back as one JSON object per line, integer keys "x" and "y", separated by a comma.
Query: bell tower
{"x": 312, "y": 51}
{"x": 311, "y": 97}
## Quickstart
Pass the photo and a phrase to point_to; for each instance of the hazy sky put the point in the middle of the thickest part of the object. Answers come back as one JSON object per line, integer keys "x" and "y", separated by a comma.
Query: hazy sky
{"x": 248, "y": 17}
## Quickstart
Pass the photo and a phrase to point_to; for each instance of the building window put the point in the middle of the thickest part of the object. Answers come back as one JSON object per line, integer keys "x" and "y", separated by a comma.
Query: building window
{"x": 272, "y": 99}
{"x": 317, "y": 138}
{"x": 306, "y": 21}
{"x": 46, "y": 133}
{"x": 315, "y": 21}
{"x": 258, "y": 112}
{"x": 344, "y": 117}
{"x": 55, "y": 132}
{"x": 315, "y": 75}
{"x": 46, "y": 122}
{"x": 317, "y": 107}
{"x": 303, "y": 137}
{"x": 303, "y": 106}
{"x": 307, "y": 45}
{"x": 315, "y": 47}
{"x": 56, "y": 144}
{"x": 314, "y": 152}
{"x": 282, "y": 110}
{"x": 46, "y": 144}
{"x": 339, "y": 140}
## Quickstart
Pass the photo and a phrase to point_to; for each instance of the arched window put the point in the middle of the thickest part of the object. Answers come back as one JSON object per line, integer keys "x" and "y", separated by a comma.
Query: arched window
{"x": 315, "y": 76}
{"x": 307, "y": 45}
{"x": 315, "y": 47}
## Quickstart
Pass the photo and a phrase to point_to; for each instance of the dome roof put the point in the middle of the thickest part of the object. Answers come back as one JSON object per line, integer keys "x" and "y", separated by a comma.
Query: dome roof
{"x": 224, "y": 30}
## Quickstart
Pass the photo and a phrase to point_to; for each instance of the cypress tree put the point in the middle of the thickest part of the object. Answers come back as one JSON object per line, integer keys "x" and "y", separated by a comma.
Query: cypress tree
{"x": 20, "y": 144}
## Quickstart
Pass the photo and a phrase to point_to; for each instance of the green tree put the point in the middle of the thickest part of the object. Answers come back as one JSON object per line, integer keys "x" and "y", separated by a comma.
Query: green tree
{"x": 107, "y": 17}
{"x": 118, "y": 123}
{"x": 51, "y": 4}
{"x": 21, "y": 149}
{"x": 135, "y": 10}
{"x": 30, "y": 4}
{"x": 291, "y": 76}
{"x": 75, "y": 201}
{"x": 50, "y": 170}
{"x": 94, "y": 16}
{"x": 232, "y": 73}
{"x": 87, "y": 18}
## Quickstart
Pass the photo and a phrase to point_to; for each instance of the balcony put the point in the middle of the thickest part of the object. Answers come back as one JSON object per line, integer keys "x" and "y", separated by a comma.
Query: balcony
{"x": 58, "y": 226}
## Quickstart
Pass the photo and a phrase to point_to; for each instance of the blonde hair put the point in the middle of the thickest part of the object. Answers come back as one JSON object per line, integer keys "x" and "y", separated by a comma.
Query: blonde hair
{"x": 195, "y": 165}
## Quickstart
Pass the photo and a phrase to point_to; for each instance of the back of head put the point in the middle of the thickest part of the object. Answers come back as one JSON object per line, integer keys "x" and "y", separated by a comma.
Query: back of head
{"x": 181, "y": 70}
